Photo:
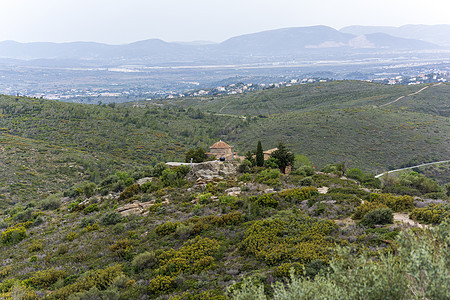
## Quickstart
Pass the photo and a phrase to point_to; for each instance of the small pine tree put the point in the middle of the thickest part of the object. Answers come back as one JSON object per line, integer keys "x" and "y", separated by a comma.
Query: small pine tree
{"x": 259, "y": 155}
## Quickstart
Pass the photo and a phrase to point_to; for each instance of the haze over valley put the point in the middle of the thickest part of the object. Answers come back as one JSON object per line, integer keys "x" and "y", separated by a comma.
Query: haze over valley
{"x": 93, "y": 72}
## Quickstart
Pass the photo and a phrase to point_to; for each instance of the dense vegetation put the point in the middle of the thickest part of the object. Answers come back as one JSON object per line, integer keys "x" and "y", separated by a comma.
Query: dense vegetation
{"x": 194, "y": 241}
{"x": 88, "y": 209}
{"x": 343, "y": 121}
{"x": 50, "y": 144}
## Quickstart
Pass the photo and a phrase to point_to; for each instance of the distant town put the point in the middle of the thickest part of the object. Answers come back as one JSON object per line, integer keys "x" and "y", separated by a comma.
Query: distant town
{"x": 125, "y": 93}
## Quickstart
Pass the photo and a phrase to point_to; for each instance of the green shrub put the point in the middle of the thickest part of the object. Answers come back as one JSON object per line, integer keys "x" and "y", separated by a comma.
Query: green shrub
{"x": 111, "y": 218}
{"x": 204, "y": 198}
{"x": 130, "y": 191}
{"x": 174, "y": 177}
{"x": 45, "y": 278}
{"x": 101, "y": 279}
{"x": 246, "y": 177}
{"x": 363, "y": 209}
{"x": 35, "y": 246}
{"x": 90, "y": 228}
{"x": 149, "y": 187}
{"x": 111, "y": 293}
{"x": 194, "y": 256}
{"x": 297, "y": 238}
{"x": 305, "y": 171}
{"x": 285, "y": 269}
{"x": 166, "y": 228}
{"x": 365, "y": 179}
{"x": 307, "y": 181}
{"x": 122, "y": 248}
{"x": 91, "y": 208}
{"x": 88, "y": 221}
{"x": 71, "y": 236}
{"x": 7, "y": 284}
{"x": 88, "y": 189}
{"x": 144, "y": 260}
{"x": 205, "y": 295}
{"x": 298, "y": 195}
{"x": 245, "y": 166}
{"x": 378, "y": 216}
{"x": 269, "y": 176}
{"x": 51, "y": 202}
{"x": 267, "y": 200}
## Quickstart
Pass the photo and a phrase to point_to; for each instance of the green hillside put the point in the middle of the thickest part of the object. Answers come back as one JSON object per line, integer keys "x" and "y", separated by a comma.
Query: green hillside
{"x": 31, "y": 168}
{"x": 194, "y": 241}
{"x": 345, "y": 121}
{"x": 63, "y": 143}
{"x": 328, "y": 122}
{"x": 372, "y": 139}
{"x": 88, "y": 209}
{"x": 301, "y": 98}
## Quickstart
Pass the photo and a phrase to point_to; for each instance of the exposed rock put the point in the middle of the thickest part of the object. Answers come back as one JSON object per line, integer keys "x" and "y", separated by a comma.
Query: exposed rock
{"x": 145, "y": 180}
{"x": 135, "y": 208}
{"x": 212, "y": 169}
{"x": 323, "y": 190}
{"x": 234, "y": 191}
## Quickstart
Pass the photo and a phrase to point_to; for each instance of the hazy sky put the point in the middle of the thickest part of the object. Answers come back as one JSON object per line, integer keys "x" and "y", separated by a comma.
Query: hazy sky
{"x": 124, "y": 21}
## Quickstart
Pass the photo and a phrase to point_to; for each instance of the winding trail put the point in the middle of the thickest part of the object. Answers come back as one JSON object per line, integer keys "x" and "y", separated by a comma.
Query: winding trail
{"x": 417, "y": 166}
{"x": 412, "y": 94}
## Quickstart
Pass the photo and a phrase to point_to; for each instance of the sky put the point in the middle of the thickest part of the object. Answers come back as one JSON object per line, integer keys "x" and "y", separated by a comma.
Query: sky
{"x": 125, "y": 21}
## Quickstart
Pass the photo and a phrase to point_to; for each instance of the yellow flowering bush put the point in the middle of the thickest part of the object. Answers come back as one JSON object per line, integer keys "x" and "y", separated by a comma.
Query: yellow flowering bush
{"x": 363, "y": 209}
{"x": 396, "y": 203}
{"x": 161, "y": 284}
{"x": 300, "y": 194}
{"x": 194, "y": 256}
{"x": 432, "y": 214}
{"x": 297, "y": 238}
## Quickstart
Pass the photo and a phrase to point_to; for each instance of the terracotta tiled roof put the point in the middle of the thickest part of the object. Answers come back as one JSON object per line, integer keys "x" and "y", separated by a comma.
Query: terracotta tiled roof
{"x": 220, "y": 145}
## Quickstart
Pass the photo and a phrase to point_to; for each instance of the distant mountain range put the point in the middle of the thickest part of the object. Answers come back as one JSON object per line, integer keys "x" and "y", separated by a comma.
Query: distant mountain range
{"x": 436, "y": 34}
{"x": 300, "y": 42}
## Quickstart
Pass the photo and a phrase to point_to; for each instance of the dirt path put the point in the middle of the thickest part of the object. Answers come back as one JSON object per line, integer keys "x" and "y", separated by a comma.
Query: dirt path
{"x": 412, "y": 94}
{"x": 404, "y": 218}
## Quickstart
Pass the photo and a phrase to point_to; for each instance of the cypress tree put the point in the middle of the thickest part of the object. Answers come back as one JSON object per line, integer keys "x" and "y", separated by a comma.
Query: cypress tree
{"x": 259, "y": 155}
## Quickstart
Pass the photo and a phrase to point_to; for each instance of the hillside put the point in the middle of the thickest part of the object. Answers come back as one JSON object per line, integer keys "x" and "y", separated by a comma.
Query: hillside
{"x": 344, "y": 121}
{"x": 300, "y": 98}
{"x": 89, "y": 210}
{"x": 57, "y": 137}
{"x": 216, "y": 237}
{"x": 328, "y": 122}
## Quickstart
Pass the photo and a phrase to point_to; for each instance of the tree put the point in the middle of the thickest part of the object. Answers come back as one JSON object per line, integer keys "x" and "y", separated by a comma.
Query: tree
{"x": 284, "y": 156}
{"x": 250, "y": 158}
{"x": 259, "y": 155}
{"x": 198, "y": 155}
